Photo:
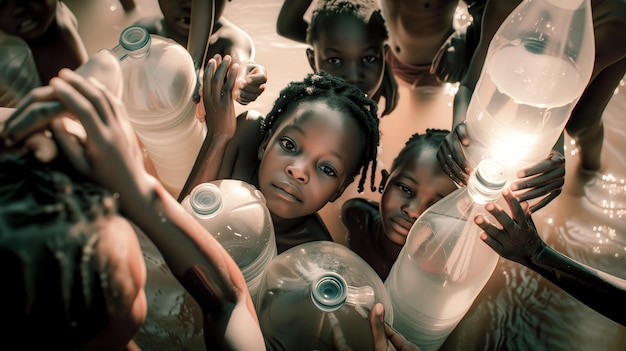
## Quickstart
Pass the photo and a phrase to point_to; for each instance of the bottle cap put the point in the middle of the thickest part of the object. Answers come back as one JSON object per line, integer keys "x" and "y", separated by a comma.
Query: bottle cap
{"x": 134, "y": 38}
{"x": 491, "y": 174}
{"x": 206, "y": 199}
{"x": 329, "y": 292}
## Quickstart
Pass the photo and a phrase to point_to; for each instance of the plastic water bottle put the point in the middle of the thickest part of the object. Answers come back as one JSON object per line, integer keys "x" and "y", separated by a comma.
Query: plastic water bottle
{"x": 316, "y": 293}
{"x": 18, "y": 72}
{"x": 235, "y": 213}
{"x": 537, "y": 66}
{"x": 159, "y": 79}
{"x": 444, "y": 265}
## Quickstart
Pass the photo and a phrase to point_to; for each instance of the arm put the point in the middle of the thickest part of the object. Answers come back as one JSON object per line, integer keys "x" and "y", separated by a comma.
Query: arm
{"x": 291, "y": 23}
{"x": 217, "y": 100}
{"x": 519, "y": 241}
{"x": 110, "y": 156}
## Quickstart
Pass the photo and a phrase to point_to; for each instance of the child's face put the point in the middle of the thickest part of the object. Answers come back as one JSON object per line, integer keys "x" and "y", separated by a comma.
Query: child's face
{"x": 415, "y": 185}
{"x": 27, "y": 19}
{"x": 348, "y": 49}
{"x": 177, "y": 14}
{"x": 310, "y": 158}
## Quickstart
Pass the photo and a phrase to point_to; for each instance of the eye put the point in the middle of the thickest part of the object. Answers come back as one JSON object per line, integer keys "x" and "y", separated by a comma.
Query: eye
{"x": 370, "y": 59}
{"x": 287, "y": 144}
{"x": 405, "y": 189}
{"x": 328, "y": 170}
{"x": 334, "y": 61}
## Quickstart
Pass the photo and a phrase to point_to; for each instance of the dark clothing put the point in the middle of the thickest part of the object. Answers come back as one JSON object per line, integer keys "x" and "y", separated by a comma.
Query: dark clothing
{"x": 301, "y": 230}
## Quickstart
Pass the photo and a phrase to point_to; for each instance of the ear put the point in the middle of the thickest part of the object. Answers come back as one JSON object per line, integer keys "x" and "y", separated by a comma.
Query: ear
{"x": 310, "y": 55}
{"x": 263, "y": 145}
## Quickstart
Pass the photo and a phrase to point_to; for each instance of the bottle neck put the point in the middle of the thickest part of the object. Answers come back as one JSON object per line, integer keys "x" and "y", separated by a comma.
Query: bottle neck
{"x": 487, "y": 181}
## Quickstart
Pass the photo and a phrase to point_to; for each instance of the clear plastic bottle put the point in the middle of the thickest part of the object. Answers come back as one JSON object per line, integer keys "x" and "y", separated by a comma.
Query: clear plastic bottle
{"x": 18, "y": 72}
{"x": 235, "y": 213}
{"x": 444, "y": 265}
{"x": 537, "y": 66}
{"x": 159, "y": 80}
{"x": 316, "y": 293}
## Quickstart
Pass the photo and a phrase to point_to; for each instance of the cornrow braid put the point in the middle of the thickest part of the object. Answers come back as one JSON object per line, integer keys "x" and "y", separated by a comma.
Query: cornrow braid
{"x": 366, "y": 11}
{"x": 338, "y": 94}
{"x": 432, "y": 137}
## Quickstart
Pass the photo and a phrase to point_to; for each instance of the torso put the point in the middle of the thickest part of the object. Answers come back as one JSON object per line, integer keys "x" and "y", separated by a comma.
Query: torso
{"x": 417, "y": 28}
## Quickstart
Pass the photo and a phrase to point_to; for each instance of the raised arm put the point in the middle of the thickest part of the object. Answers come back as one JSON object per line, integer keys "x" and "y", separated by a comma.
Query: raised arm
{"x": 110, "y": 156}
{"x": 519, "y": 241}
{"x": 291, "y": 23}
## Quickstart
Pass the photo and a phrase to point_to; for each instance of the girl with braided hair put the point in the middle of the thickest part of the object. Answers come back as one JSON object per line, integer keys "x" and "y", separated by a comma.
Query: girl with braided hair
{"x": 377, "y": 232}
{"x": 320, "y": 134}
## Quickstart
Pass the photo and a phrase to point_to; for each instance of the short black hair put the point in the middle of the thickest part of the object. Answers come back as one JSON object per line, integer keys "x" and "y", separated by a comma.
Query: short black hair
{"x": 339, "y": 94}
{"x": 52, "y": 292}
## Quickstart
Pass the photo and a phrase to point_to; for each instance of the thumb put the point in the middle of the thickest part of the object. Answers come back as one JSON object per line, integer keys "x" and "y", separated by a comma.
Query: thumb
{"x": 377, "y": 326}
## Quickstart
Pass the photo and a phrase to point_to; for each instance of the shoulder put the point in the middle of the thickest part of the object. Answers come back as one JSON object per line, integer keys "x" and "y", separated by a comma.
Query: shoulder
{"x": 357, "y": 210}
{"x": 153, "y": 24}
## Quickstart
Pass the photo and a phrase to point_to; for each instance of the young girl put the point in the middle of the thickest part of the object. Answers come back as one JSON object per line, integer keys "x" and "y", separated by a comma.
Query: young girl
{"x": 321, "y": 133}
{"x": 377, "y": 232}
{"x": 348, "y": 40}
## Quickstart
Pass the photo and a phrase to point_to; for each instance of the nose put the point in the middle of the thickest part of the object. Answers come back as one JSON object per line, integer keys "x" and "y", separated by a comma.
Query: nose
{"x": 413, "y": 209}
{"x": 298, "y": 171}
{"x": 352, "y": 74}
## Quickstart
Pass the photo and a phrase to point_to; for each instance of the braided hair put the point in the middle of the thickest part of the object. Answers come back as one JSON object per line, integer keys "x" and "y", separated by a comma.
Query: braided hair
{"x": 49, "y": 224}
{"x": 338, "y": 94}
{"x": 432, "y": 137}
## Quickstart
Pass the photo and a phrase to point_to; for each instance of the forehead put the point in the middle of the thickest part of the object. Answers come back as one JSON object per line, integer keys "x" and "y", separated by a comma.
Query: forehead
{"x": 420, "y": 161}
{"x": 346, "y": 29}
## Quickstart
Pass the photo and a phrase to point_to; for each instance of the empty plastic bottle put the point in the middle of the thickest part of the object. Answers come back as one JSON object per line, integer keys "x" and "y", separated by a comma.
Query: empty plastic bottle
{"x": 537, "y": 66}
{"x": 317, "y": 296}
{"x": 235, "y": 213}
{"x": 444, "y": 265}
{"x": 18, "y": 72}
{"x": 159, "y": 82}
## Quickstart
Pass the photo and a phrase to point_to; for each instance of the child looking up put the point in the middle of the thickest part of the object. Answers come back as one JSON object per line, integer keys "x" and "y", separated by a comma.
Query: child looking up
{"x": 377, "y": 232}
{"x": 320, "y": 134}
{"x": 348, "y": 40}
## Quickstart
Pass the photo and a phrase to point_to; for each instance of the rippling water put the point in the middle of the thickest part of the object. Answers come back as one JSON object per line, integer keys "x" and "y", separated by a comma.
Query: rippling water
{"x": 517, "y": 310}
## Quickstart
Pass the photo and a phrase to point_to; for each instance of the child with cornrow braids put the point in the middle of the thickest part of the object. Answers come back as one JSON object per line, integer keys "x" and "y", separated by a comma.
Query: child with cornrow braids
{"x": 377, "y": 232}
{"x": 321, "y": 133}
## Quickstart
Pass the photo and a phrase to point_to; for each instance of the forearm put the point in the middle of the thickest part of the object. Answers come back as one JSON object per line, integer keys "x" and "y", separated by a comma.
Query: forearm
{"x": 207, "y": 164}
{"x": 461, "y": 103}
{"x": 596, "y": 289}
{"x": 291, "y": 23}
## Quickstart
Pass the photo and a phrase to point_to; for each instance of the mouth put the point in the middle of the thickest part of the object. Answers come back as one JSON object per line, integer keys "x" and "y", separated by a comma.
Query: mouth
{"x": 27, "y": 25}
{"x": 287, "y": 192}
{"x": 401, "y": 225}
{"x": 183, "y": 22}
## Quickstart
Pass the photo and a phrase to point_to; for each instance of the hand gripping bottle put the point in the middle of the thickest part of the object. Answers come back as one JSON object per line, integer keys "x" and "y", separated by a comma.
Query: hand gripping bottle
{"x": 537, "y": 66}
{"x": 444, "y": 265}
{"x": 317, "y": 296}
{"x": 235, "y": 213}
{"x": 159, "y": 81}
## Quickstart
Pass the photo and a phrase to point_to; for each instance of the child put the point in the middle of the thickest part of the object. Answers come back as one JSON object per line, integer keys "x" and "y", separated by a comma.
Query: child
{"x": 50, "y": 30}
{"x": 110, "y": 156}
{"x": 72, "y": 267}
{"x": 348, "y": 40}
{"x": 516, "y": 238}
{"x": 320, "y": 134}
{"x": 225, "y": 38}
{"x": 377, "y": 232}
{"x": 585, "y": 123}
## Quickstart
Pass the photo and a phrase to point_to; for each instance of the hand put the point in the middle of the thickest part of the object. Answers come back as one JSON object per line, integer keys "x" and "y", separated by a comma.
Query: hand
{"x": 251, "y": 84}
{"x": 109, "y": 154}
{"x": 452, "y": 60}
{"x": 389, "y": 90}
{"x": 451, "y": 156}
{"x": 544, "y": 179}
{"x": 217, "y": 96}
{"x": 385, "y": 337}
{"x": 518, "y": 239}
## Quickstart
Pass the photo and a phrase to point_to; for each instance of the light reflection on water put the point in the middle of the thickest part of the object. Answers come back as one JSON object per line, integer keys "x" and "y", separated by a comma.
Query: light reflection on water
{"x": 517, "y": 310}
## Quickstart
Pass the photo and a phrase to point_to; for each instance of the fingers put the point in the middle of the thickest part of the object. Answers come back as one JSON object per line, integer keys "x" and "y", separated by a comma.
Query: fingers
{"x": 72, "y": 148}
{"x": 377, "y": 326}
{"x": 28, "y": 120}
{"x": 555, "y": 160}
{"x": 42, "y": 146}
{"x": 452, "y": 158}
